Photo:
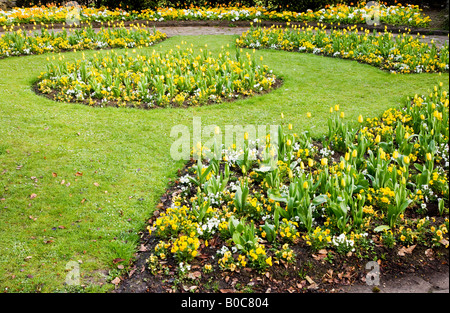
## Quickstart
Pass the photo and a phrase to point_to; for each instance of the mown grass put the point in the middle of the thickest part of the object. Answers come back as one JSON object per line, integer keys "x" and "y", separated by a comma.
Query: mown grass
{"x": 123, "y": 155}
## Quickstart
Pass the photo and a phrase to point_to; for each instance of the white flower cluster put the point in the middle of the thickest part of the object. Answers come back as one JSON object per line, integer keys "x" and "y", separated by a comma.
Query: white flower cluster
{"x": 324, "y": 152}
{"x": 210, "y": 226}
{"x": 184, "y": 183}
{"x": 342, "y": 242}
{"x": 184, "y": 268}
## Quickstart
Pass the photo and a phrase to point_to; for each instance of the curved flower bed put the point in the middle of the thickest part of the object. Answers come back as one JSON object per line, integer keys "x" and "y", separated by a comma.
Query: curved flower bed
{"x": 180, "y": 77}
{"x": 361, "y": 192}
{"x": 401, "y": 54}
{"x": 23, "y": 43}
{"x": 408, "y": 15}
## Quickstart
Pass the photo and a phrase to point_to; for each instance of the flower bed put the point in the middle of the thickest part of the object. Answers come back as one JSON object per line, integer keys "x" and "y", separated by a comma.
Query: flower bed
{"x": 23, "y": 43}
{"x": 408, "y": 15}
{"x": 181, "y": 77}
{"x": 361, "y": 192}
{"x": 401, "y": 54}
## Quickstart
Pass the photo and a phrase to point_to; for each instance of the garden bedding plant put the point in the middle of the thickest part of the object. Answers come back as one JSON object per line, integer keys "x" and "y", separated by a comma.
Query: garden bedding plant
{"x": 99, "y": 230}
{"x": 408, "y": 15}
{"x": 399, "y": 54}
{"x": 384, "y": 189}
{"x": 21, "y": 42}
{"x": 181, "y": 77}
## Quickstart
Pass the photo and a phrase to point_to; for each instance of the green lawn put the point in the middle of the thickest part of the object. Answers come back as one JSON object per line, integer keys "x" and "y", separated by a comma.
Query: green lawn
{"x": 123, "y": 155}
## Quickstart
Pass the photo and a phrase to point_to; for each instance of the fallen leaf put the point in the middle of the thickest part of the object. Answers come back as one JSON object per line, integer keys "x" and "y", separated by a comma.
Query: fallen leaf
{"x": 404, "y": 250}
{"x": 54, "y": 174}
{"x": 226, "y": 290}
{"x": 444, "y": 241}
{"x": 61, "y": 227}
{"x": 191, "y": 288}
{"x": 78, "y": 174}
{"x": 83, "y": 200}
{"x": 116, "y": 281}
{"x": 33, "y": 195}
{"x": 96, "y": 184}
{"x": 117, "y": 260}
{"x": 430, "y": 254}
{"x": 310, "y": 281}
{"x": 195, "y": 275}
{"x": 142, "y": 248}
{"x": 120, "y": 267}
{"x": 323, "y": 251}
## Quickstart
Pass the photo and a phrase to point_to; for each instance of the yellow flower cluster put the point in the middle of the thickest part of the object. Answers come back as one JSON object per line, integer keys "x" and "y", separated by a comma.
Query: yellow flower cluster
{"x": 319, "y": 238}
{"x": 174, "y": 221}
{"x": 227, "y": 262}
{"x": 285, "y": 254}
{"x": 288, "y": 230}
{"x": 185, "y": 248}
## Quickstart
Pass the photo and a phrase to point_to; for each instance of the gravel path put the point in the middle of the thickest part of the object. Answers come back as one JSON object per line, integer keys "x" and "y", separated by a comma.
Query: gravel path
{"x": 411, "y": 283}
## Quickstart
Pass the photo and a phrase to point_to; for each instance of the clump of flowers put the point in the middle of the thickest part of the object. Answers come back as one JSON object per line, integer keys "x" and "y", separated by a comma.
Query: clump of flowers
{"x": 288, "y": 230}
{"x": 319, "y": 238}
{"x": 185, "y": 248}
{"x": 343, "y": 244}
{"x": 285, "y": 254}
{"x": 22, "y": 43}
{"x": 402, "y": 54}
{"x": 177, "y": 77}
